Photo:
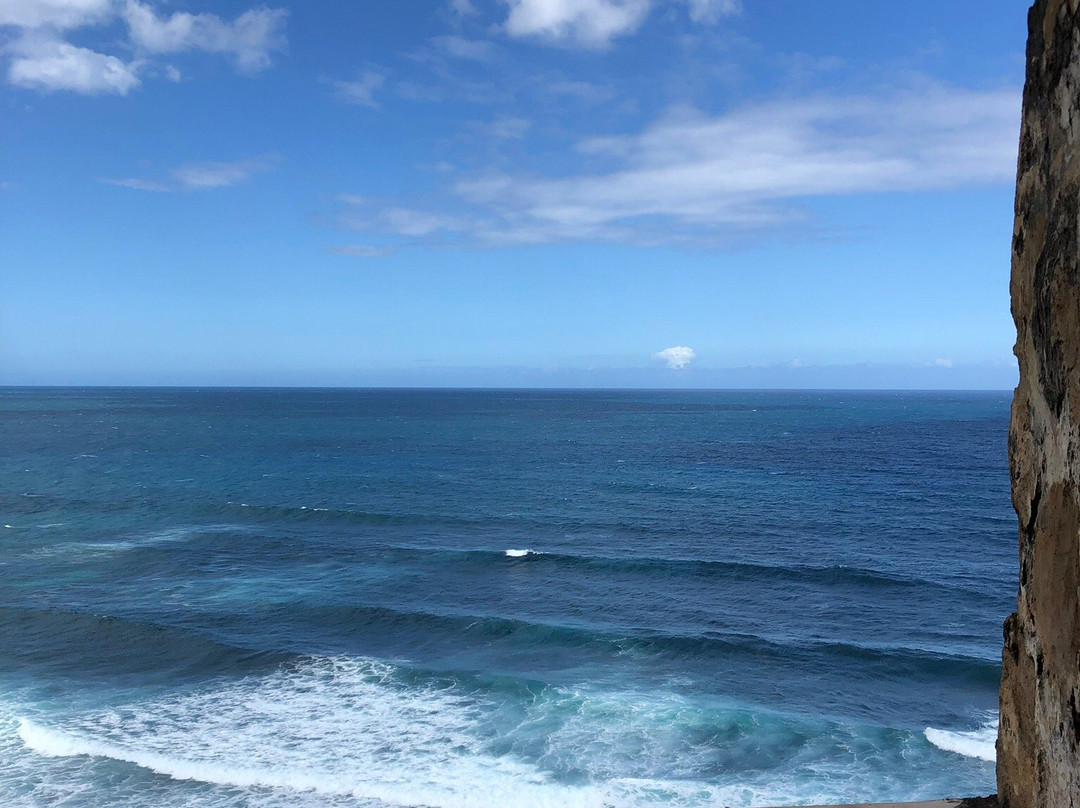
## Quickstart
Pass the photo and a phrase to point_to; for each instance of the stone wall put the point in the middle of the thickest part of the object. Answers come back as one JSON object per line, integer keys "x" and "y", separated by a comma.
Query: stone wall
{"x": 1039, "y": 736}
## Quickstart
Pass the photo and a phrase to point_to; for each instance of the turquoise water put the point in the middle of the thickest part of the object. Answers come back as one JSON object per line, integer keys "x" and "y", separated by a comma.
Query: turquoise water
{"x": 449, "y": 598}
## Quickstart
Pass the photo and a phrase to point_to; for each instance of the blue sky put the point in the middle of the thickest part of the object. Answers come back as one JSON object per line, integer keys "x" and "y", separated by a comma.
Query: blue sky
{"x": 713, "y": 193}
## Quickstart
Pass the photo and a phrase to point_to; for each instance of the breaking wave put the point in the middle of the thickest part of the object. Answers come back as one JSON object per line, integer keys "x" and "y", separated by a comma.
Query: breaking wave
{"x": 979, "y": 743}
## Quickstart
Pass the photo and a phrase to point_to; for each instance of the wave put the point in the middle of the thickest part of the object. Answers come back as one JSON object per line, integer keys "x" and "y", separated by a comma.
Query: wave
{"x": 312, "y": 727}
{"x": 520, "y": 553}
{"x": 357, "y": 731}
{"x": 83, "y": 644}
{"x": 709, "y": 569}
{"x": 980, "y": 743}
{"x": 94, "y": 646}
{"x": 365, "y": 621}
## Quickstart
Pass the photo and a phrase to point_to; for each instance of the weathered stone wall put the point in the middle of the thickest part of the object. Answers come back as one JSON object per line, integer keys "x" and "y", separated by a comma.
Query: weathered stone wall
{"x": 1039, "y": 738}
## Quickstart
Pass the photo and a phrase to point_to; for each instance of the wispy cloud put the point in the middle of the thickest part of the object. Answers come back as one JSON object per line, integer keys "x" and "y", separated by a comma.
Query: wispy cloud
{"x": 366, "y": 215}
{"x": 678, "y": 357}
{"x": 463, "y": 8}
{"x": 361, "y": 251}
{"x": 136, "y": 184}
{"x": 362, "y": 90}
{"x": 507, "y": 127}
{"x": 198, "y": 176}
{"x": 475, "y": 50}
{"x": 692, "y": 177}
{"x": 711, "y": 11}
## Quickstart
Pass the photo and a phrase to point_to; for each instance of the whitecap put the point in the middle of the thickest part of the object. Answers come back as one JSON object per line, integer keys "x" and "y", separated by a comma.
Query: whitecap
{"x": 979, "y": 743}
{"x": 520, "y": 553}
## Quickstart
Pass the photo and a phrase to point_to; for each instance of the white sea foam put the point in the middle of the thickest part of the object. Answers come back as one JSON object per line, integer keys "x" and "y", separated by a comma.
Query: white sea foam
{"x": 358, "y": 733}
{"x": 348, "y": 732}
{"x": 340, "y": 728}
{"x": 520, "y": 553}
{"x": 979, "y": 743}
{"x": 90, "y": 549}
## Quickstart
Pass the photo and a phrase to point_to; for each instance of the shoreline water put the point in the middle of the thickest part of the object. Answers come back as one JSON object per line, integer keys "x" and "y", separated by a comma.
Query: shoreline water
{"x": 969, "y": 802}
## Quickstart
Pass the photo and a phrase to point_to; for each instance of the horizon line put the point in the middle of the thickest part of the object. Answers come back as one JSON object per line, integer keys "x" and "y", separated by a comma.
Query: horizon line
{"x": 497, "y": 388}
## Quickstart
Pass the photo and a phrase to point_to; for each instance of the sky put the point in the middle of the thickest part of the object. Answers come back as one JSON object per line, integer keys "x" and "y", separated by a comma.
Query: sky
{"x": 521, "y": 193}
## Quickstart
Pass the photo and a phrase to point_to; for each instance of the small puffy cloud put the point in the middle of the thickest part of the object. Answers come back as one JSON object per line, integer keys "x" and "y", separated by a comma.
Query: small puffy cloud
{"x": 943, "y": 363}
{"x": 361, "y": 251}
{"x": 596, "y": 23}
{"x": 362, "y": 91}
{"x": 678, "y": 357}
{"x": 44, "y": 63}
{"x": 198, "y": 176}
{"x": 249, "y": 39}
{"x": 589, "y": 23}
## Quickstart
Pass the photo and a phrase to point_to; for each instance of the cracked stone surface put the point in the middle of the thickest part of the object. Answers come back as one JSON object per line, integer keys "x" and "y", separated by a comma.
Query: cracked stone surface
{"x": 1039, "y": 737}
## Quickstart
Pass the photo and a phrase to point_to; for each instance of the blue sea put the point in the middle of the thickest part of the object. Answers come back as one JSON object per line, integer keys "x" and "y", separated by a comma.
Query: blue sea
{"x": 490, "y": 599}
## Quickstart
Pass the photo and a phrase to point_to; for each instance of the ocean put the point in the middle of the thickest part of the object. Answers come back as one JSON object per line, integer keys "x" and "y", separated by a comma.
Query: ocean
{"x": 474, "y": 599}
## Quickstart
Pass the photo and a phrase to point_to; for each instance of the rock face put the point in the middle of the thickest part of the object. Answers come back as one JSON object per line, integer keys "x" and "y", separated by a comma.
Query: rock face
{"x": 1039, "y": 737}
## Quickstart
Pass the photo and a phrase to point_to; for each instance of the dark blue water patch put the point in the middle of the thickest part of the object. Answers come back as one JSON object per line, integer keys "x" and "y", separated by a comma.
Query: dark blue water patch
{"x": 63, "y": 645}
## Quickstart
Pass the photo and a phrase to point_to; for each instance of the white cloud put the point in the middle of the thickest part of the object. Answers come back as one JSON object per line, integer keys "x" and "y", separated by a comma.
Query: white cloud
{"x": 361, "y": 251}
{"x": 943, "y": 363}
{"x": 677, "y": 357}
{"x": 595, "y": 23}
{"x": 58, "y": 14}
{"x": 45, "y": 63}
{"x": 249, "y": 39}
{"x": 695, "y": 178}
{"x": 710, "y": 11}
{"x": 39, "y": 56}
{"x": 199, "y": 176}
{"x": 362, "y": 91}
{"x": 590, "y": 23}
